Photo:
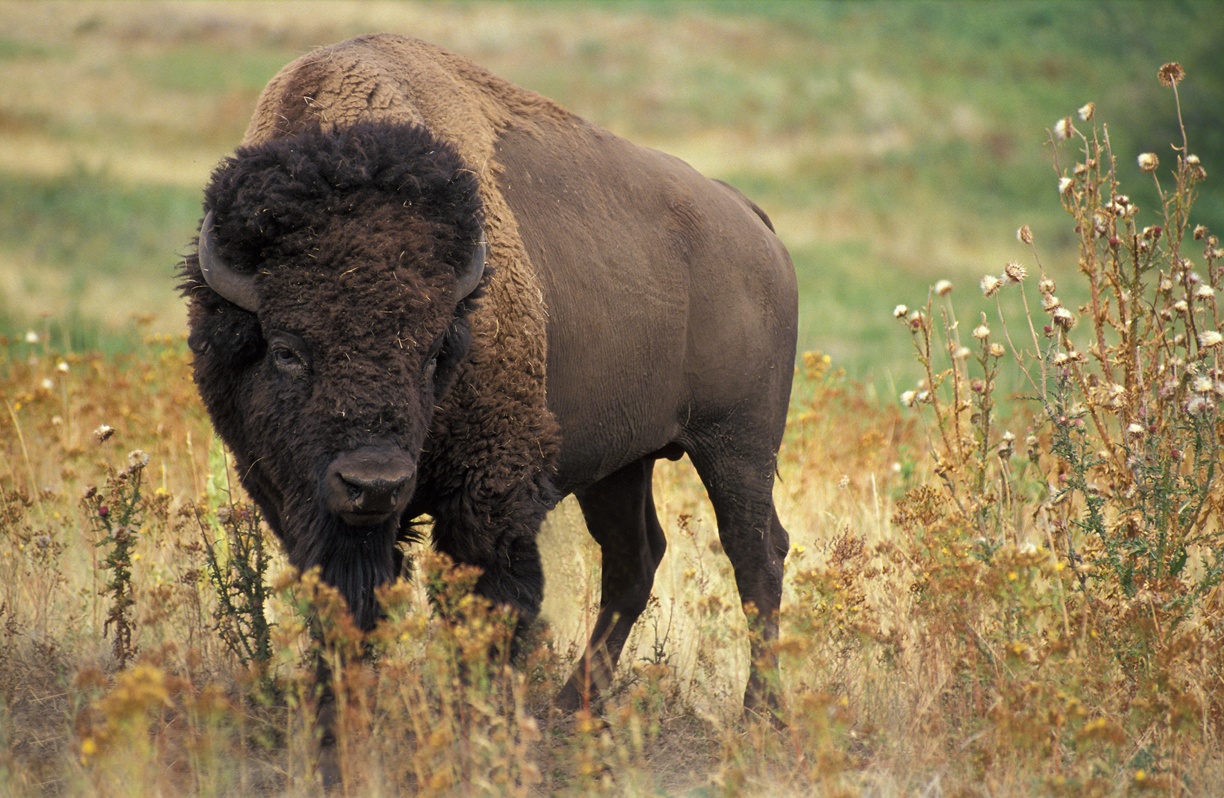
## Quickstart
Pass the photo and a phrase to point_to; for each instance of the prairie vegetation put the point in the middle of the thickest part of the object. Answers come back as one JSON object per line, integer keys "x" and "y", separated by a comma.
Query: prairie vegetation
{"x": 1007, "y": 583}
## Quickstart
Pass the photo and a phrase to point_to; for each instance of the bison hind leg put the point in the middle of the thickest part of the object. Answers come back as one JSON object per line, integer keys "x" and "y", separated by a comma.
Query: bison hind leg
{"x": 739, "y": 480}
{"x": 620, "y": 515}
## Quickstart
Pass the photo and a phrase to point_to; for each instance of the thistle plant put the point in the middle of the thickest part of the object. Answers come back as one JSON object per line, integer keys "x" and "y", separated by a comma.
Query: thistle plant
{"x": 237, "y": 565}
{"x": 1115, "y": 495}
{"x": 116, "y": 512}
{"x": 1130, "y": 403}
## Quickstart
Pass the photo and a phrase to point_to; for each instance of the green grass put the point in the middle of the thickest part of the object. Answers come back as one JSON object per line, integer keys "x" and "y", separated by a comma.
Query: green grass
{"x": 86, "y": 220}
{"x": 209, "y": 69}
{"x": 893, "y": 143}
{"x": 95, "y": 242}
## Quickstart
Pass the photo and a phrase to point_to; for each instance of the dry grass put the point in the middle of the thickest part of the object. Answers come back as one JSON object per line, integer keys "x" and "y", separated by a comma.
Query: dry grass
{"x": 185, "y": 713}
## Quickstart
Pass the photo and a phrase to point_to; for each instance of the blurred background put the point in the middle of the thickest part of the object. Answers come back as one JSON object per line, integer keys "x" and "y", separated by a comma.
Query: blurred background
{"x": 894, "y": 144}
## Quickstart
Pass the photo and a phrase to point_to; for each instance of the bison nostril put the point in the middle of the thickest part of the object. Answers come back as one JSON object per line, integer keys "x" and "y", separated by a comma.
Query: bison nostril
{"x": 371, "y": 496}
{"x": 367, "y": 485}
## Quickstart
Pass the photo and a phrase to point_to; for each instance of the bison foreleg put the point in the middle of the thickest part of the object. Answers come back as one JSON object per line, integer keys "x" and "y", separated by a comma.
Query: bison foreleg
{"x": 511, "y": 574}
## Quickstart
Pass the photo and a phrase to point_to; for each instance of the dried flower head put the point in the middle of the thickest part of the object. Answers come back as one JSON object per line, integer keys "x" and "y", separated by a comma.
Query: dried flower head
{"x": 1015, "y": 272}
{"x": 1046, "y": 285}
{"x": 996, "y": 350}
{"x": 900, "y": 312}
{"x": 1148, "y": 161}
{"x": 1171, "y": 74}
{"x": 1024, "y": 235}
{"x": 908, "y": 398}
{"x": 1199, "y": 232}
{"x": 1195, "y": 167}
{"x": 1050, "y": 303}
{"x": 981, "y": 332}
{"x": 1181, "y": 306}
{"x": 31, "y": 337}
{"x": 1210, "y": 339}
{"x": 1063, "y": 318}
{"x": 943, "y": 287}
{"x": 1006, "y": 446}
{"x": 1203, "y": 385}
{"x": 103, "y": 433}
{"x": 138, "y": 459}
{"x": 1087, "y": 111}
{"x": 991, "y": 285}
{"x": 1204, "y": 291}
{"x": 1199, "y": 405}
{"x": 1063, "y": 129}
{"x": 1065, "y": 184}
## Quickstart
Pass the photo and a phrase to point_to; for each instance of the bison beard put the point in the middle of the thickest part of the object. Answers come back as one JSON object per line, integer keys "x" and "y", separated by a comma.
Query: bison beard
{"x": 354, "y": 560}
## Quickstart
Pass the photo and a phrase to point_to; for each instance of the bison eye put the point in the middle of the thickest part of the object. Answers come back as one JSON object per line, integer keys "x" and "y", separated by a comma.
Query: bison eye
{"x": 287, "y": 353}
{"x": 284, "y": 356}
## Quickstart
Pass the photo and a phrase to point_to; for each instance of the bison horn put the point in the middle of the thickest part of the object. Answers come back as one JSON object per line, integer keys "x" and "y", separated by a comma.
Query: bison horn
{"x": 469, "y": 276}
{"x": 220, "y": 276}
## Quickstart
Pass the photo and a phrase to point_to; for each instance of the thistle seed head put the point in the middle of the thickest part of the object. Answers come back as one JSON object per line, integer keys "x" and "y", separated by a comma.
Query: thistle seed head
{"x": 1063, "y": 129}
{"x": 1171, "y": 74}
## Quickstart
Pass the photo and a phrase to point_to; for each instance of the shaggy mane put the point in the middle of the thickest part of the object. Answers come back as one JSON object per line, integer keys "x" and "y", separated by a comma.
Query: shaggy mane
{"x": 275, "y": 191}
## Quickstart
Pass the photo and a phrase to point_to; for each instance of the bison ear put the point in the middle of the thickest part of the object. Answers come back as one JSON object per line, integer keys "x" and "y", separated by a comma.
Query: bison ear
{"x": 469, "y": 276}
{"x": 225, "y": 336}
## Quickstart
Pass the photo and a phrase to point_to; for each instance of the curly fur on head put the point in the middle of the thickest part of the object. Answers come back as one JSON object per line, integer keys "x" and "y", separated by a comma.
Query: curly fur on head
{"x": 269, "y": 191}
{"x": 266, "y": 197}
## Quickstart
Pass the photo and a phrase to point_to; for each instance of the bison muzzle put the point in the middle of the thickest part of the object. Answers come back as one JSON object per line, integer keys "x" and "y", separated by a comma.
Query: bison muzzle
{"x": 419, "y": 289}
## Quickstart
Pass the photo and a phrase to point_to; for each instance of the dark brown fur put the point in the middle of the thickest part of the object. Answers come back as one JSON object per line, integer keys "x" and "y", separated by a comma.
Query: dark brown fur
{"x": 633, "y": 309}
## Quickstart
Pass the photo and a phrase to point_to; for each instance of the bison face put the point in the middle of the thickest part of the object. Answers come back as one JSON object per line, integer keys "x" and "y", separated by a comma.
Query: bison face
{"x": 328, "y": 320}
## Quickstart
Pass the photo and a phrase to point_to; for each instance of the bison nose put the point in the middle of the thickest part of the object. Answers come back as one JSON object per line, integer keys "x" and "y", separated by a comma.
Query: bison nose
{"x": 369, "y": 485}
{"x": 372, "y": 496}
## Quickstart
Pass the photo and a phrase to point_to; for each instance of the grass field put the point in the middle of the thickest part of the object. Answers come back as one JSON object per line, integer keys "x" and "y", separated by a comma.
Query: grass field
{"x": 966, "y": 613}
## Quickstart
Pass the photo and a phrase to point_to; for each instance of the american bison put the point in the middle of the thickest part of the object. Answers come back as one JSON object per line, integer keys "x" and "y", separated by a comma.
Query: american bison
{"x": 419, "y": 289}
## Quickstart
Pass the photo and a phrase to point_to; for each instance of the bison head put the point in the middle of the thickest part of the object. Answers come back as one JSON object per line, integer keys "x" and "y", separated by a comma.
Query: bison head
{"x": 328, "y": 302}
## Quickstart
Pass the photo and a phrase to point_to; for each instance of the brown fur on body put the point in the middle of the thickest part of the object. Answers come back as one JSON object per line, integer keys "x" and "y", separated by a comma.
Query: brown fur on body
{"x": 632, "y": 309}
